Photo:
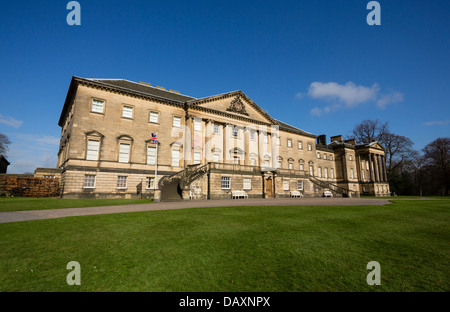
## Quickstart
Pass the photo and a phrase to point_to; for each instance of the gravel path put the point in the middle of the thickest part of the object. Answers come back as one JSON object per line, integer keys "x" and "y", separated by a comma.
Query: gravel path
{"x": 15, "y": 216}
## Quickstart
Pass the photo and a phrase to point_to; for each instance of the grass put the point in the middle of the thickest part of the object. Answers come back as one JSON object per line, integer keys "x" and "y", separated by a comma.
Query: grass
{"x": 234, "y": 249}
{"x": 24, "y": 203}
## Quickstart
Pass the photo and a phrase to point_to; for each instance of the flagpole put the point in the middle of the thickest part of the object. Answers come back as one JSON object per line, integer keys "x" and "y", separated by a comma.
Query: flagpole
{"x": 156, "y": 162}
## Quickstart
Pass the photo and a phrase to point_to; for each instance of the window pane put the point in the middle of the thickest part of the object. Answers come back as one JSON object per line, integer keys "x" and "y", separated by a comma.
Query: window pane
{"x": 92, "y": 150}
{"x": 89, "y": 181}
{"x": 289, "y": 143}
{"x": 176, "y": 121}
{"x": 121, "y": 182}
{"x": 216, "y": 129}
{"x": 124, "y": 152}
{"x": 226, "y": 183}
{"x": 286, "y": 185}
{"x": 300, "y": 185}
{"x": 175, "y": 158}
{"x": 197, "y": 157}
{"x": 247, "y": 185}
{"x": 154, "y": 117}
{"x": 150, "y": 183}
{"x": 197, "y": 124}
{"x": 216, "y": 158}
{"x": 127, "y": 112}
{"x": 151, "y": 155}
{"x": 97, "y": 106}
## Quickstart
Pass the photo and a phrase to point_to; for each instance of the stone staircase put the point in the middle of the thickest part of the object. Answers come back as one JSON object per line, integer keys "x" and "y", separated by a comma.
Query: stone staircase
{"x": 344, "y": 192}
{"x": 171, "y": 186}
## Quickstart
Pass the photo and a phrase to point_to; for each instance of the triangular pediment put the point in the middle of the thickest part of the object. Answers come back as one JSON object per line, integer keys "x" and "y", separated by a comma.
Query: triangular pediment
{"x": 234, "y": 103}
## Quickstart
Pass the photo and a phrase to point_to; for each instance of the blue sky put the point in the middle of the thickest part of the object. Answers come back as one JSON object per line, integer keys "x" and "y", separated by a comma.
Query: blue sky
{"x": 316, "y": 65}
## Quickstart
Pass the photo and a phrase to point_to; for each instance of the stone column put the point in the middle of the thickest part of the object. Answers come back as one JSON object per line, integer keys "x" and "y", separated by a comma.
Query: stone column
{"x": 371, "y": 176}
{"x": 207, "y": 153}
{"x": 385, "y": 169}
{"x": 380, "y": 165}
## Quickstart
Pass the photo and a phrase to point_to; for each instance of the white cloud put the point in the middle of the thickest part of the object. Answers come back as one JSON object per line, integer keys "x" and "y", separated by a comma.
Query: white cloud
{"x": 349, "y": 95}
{"x": 437, "y": 123}
{"x": 9, "y": 121}
{"x": 385, "y": 99}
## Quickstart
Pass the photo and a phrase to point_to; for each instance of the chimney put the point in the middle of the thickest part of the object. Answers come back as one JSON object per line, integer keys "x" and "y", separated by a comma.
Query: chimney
{"x": 159, "y": 87}
{"x": 322, "y": 140}
{"x": 351, "y": 141}
{"x": 337, "y": 138}
{"x": 145, "y": 83}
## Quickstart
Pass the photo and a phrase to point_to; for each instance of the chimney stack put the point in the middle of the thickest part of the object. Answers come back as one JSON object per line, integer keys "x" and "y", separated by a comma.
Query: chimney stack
{"x": 337, "y": 138}
{"x": 322, "y": 140}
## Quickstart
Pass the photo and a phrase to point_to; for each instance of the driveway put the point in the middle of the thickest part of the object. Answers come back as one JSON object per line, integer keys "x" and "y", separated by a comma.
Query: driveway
{"x": 15, "y": 216}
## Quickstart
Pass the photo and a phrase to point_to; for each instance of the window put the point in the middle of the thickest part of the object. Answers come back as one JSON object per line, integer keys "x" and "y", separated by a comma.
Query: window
{"x": 285, "y": 185}
{"x": 97, "y": 106}
{"x": 154, "y": 117}
{"x": 300, "y": 185}
{"x": 127, "y": 112}
{"x": 363, "y": 174}
{"x": 253, "y": 162}
{"x": 309, "y": 147}
{"x": 175, "y": 158}
{"x": 252, "y": 135}
{"x": 325, "y": 173}
{"x": 150, "y": 183}
{"x": 311, "y": 170}
{"x": 331, "y": 157}
{"x": 247, "y": 185}
{"x": 300, "y": 145}
{"x": 89, "y": 181}
{"x": 121, "y": 182}
{"x": 289, "y": 142}
{"x": 265, "y": 138}
{"x": 197, "y": 124}
{"x": 291, "y": 165}
{"x": 216, "y": 157}
{"x": 176, "y": 121}
{"x": 324, "y": 156}
{"x": 319, "y": 172}
{"x": 226, "y": 183}
{"x": 234, "y": 133}
{"x": 279, "y": 164}
{"x": 124, "y": 152}
{"x": 151, "y": 155}
{"x": 301, "y": 167}
{"x": 92, "y": 150}
{"x": 236, "y": 160}
{"x": 350, "y": 157}
{"x": 216, "y": 129}
{"x": 352, "y": 174}
{"x": 318, "y": 155}
{"x": 197, "y": 157}
{"x": 266, "y": 163}
{"x": 332, "y": 173}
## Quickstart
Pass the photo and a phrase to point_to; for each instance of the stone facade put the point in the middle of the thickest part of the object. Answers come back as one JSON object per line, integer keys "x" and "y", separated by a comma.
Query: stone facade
{"x": 207, "y": 148}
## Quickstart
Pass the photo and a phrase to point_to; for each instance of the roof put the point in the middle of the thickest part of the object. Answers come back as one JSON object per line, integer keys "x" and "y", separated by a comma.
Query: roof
{"x": 3, "y": 159}
{"x": 171, "y": 97}
{"x": 143, "y": 88}
{"x": 289, "y": 128}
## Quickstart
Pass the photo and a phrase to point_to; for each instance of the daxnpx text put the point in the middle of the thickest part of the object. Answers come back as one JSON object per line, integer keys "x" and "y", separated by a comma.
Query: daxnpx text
{"x": 226, "y": 302}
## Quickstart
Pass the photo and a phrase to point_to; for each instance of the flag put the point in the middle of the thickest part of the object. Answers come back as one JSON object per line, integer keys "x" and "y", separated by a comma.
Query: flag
{"x": 155, "y": 138}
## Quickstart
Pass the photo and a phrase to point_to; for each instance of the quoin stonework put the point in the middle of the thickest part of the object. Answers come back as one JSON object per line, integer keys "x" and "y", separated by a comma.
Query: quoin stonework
{"x": 115, "y": 133}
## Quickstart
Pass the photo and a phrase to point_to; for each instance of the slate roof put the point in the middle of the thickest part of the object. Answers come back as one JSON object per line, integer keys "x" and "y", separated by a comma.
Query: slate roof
{"x": 139, "y": 87}
{"x": 286, "y": 127}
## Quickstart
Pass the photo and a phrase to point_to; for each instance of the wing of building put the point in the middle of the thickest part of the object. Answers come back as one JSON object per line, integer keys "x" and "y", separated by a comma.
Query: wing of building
{"x": 126, "y": 139}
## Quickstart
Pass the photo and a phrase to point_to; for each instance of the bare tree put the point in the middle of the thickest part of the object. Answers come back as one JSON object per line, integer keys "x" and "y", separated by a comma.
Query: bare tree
{"x": 437, "y": 162}
{"x": 398, "y": 149}
{"x": 370, "y": 130}
{"x": 4, "y": 142}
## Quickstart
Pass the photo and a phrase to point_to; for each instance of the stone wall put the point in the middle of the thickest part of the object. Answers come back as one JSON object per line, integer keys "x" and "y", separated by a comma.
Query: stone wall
{"x": 26, "y": 186}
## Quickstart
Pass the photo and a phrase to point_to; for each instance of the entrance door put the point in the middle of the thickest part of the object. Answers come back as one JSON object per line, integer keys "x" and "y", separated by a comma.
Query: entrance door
{"x": 269, "y": 193}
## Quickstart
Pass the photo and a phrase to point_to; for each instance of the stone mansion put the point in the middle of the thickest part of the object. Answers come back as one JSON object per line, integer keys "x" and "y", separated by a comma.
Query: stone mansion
{"x": 123, "y": 139}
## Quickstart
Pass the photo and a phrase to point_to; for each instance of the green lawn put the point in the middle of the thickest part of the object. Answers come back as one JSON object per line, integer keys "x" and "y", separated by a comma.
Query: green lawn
{"x": 234, "y": 249}
{"x": 24, "y": 203}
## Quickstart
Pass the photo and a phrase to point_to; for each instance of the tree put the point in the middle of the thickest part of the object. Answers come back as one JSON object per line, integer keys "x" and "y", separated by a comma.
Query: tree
{"x": 398, "y": 149}
{"x": 4, "y": 142}
{"x": 437, "y": 163}
{"x": 369, "y": 131}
